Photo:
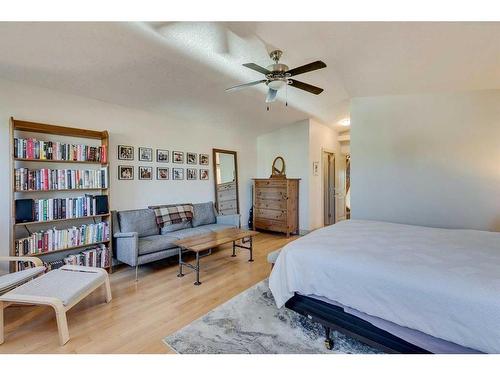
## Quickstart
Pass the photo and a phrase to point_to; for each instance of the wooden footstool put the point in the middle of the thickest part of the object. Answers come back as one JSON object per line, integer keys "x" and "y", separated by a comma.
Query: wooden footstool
{"x": 61, "y": 289}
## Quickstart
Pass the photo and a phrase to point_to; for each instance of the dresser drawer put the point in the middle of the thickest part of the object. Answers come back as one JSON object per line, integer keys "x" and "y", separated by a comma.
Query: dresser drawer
{"x": 276, "y": 215}
{"x": 270, "y": 184}
{"x": 270, "y": 203}
{"x": 274, "y": 193}
{"x": 266, "y": 224}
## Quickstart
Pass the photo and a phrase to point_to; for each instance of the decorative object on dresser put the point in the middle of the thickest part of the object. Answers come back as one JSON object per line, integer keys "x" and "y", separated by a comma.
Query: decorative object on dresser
{"x": 68, "y": 227}
{"x": 276, "y": 201}
{"x": 226, "y": 182}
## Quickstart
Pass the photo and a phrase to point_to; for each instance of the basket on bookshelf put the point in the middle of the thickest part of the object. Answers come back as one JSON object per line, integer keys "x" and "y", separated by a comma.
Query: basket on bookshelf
{"x": 82, "y": 244}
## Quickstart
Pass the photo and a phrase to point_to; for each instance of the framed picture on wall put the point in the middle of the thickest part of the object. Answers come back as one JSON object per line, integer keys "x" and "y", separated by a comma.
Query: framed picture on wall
{"x": 203, "y": 174}
{"x": 178, "y": 157}
{"x": 191, "y": 158}
{"x": 125, "y": 152}
{"x": 192, "y": 173}
{"x": 125, "y": 172}
{"x": 145, "y": 154}
{"x": 203, "y": 159}
{"x": 162, "y": 173}
{"x": 162, "y": 156}
{"x": 145, "y": 173}
{"x": 177, "y": 174}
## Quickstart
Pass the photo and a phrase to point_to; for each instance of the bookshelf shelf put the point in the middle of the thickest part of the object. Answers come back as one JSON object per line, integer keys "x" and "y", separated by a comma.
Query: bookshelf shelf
{"x": 60, "y": 161}
{"x": 62, "y": 220}
{"x": 56, "y": 130}
{"x": 69, "y": 248}
{"x": 58, "y": 190}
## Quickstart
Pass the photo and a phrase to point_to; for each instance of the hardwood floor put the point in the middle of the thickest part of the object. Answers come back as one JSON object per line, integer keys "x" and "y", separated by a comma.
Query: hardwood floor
{"x": 141, "y": 314}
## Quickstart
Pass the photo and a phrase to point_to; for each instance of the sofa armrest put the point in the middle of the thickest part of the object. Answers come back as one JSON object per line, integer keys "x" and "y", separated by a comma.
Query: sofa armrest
{"x": 229, "y": 220}
{"x": 125, "y": 234}
{"x": 127, "y": 247}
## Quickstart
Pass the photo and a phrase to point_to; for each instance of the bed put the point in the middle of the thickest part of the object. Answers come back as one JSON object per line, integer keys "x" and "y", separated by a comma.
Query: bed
{"x": 436, "y": 289}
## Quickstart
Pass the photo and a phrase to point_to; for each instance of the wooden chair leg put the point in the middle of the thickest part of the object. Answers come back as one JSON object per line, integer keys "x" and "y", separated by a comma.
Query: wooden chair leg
{"x": 2, "y": 306}
{"x": 62, "y": 324}
{"x": 108, "y": 290}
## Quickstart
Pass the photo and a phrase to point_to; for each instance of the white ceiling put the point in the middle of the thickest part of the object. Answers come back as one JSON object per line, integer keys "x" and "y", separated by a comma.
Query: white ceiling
{"x": 184, "y": 67}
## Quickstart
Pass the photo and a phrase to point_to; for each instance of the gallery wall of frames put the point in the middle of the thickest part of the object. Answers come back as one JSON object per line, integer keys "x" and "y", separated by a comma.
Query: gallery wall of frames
{"x": 170, "y": 165}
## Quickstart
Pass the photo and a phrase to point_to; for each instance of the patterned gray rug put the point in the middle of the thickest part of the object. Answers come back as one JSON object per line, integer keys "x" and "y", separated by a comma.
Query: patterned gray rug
{"x": 250, "y": 323}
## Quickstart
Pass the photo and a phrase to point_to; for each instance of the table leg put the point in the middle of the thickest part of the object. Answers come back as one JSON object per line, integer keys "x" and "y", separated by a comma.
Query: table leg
{"x": 198, "y": 282}
{"x": 251, "y": 249}
{"x": 234, "y": 249}
{"x": 180, "y": 274}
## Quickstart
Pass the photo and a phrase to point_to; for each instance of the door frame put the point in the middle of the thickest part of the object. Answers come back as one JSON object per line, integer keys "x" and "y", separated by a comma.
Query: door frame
{"x": 324, "y": 184}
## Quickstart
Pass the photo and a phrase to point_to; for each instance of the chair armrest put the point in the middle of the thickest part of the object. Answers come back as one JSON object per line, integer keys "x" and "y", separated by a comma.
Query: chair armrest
{"x": 125, "y": 234}
{"x": 229, "y": 220}
{"x": 36, "y": 261}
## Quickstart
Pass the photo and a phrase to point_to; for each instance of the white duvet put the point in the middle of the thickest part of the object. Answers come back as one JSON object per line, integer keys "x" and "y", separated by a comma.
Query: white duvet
{"x": 445, "y": 283}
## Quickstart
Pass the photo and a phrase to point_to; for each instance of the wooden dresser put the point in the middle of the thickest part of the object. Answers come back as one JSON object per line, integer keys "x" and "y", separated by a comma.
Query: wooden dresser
{"x": 276, "y": 205}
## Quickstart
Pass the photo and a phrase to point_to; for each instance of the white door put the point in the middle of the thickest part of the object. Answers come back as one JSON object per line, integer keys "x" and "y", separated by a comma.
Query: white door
{"x": 340, "y": 191}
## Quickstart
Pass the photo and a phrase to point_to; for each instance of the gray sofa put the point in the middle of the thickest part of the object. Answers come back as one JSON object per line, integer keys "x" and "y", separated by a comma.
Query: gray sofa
{"x": 138, "y": 240}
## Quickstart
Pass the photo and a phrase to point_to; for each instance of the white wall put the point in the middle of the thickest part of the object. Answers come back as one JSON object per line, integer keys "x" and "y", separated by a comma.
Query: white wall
{"x": 130, "y": 127}
{"x": 292, "y": 143}
{"x": 300, "y": 144}
{"x": 430, "y": 160}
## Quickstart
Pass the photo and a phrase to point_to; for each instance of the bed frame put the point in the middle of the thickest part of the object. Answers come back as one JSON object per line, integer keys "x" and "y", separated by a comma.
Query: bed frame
{"x": 334, "y": 317}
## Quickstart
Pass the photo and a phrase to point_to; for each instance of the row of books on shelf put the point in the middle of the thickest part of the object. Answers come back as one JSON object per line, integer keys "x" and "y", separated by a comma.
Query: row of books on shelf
{"x": 31, "y": 148}
{"x": 60, "y": 239}
{"x": 95, "y": 256}
{"x": 60, "y": 179}
{"x": 64, "y": 208}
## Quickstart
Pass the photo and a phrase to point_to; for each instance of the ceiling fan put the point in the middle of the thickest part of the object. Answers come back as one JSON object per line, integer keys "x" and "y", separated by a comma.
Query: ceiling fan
{"x": 278, "y": 76}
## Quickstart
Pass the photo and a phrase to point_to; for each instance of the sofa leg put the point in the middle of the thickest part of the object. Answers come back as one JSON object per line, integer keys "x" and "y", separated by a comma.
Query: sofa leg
{"x": 136, "y": 273}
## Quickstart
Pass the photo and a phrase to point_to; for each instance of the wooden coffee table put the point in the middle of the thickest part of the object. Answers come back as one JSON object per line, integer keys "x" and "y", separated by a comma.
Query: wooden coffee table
{"x": 206, "y": 242}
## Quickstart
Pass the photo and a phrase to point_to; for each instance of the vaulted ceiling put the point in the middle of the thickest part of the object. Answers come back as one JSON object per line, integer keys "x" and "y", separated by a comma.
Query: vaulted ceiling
{"x": 179, "y": 67}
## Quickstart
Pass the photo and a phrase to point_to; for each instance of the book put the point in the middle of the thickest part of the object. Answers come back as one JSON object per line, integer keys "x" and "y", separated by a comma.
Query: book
{"x": 26, "y": 179}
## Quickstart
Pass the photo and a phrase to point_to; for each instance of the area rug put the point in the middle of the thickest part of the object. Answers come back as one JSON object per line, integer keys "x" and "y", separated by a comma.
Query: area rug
{"x": 250, "y": 323}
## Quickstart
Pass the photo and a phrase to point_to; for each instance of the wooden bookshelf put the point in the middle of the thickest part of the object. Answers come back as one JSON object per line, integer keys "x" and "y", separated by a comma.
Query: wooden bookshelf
{"x": 56, "y": 130}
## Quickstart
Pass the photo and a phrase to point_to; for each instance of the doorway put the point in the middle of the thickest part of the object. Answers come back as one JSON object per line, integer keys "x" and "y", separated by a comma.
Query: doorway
{"x": 328, "y": 188}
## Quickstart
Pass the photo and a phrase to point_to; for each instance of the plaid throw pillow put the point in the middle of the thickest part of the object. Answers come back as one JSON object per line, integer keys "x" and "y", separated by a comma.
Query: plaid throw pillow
{"x": 172, "y": 214}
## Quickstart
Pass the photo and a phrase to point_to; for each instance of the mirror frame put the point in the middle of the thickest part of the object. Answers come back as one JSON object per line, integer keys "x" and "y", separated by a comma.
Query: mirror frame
{"x": 275, "y": 173}
{"x": 214, "y": 161}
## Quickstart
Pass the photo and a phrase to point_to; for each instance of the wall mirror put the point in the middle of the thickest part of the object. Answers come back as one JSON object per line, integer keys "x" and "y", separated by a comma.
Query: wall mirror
{"x": 278, "y": 168}
{"x": 226, "y": 182}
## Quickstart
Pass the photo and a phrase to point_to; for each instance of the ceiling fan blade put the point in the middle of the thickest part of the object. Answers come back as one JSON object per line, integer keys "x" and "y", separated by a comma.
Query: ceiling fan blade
{"x": 257, "y": 68}
{"x": 271, "y": 95}
{"x": 307, "y": 68}
{"x": 238, "y": 87}
{"x": 305, "y": 86}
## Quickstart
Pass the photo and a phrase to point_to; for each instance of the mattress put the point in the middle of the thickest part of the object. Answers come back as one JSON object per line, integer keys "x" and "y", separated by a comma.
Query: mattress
{"x": 441, "y": 282}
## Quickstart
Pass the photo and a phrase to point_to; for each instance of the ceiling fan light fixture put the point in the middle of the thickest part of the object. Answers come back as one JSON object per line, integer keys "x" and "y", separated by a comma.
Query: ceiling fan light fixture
{"x": 276, "y": 84}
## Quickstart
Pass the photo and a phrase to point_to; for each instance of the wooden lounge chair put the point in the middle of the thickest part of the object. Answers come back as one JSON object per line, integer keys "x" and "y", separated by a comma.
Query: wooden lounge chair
{"x": 61, "y": 289}
{"x": 13, "y": 280}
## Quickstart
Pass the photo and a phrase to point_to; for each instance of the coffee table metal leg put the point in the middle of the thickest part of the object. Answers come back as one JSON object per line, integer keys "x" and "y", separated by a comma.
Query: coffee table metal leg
{"x": 251, "y": 249}
{"x": 180, "y": 274}
{"x": 197, "y": 268}
{"x": 234, "y": 249}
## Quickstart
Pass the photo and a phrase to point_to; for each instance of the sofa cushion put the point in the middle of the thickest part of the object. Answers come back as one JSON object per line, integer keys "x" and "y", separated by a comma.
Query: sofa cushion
{"x": 151, "y": 244}
{"x": 167, "y": 228}
{"x": 141, "y": 221}
{"x": 184, "y": 233}
{"x": 218, "y": 227}
{"x": 203, "y": 214}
